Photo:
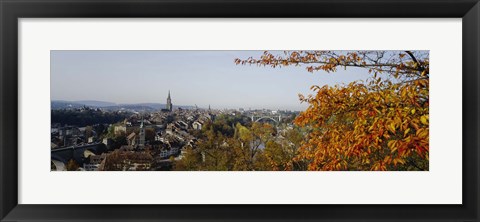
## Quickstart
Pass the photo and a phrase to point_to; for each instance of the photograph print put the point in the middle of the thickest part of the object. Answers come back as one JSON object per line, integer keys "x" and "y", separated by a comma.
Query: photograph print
{"x": 239, "y": 110}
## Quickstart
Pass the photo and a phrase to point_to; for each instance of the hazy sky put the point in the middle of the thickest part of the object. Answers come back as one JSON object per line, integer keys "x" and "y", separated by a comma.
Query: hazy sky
{"x": 193, "y": 77}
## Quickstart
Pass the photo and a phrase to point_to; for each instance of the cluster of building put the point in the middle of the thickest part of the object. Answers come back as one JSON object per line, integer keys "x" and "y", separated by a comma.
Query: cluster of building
{"x": 64, "y": 136}
{"x": 144, "y": 141}
{"x": 149, "y": 140}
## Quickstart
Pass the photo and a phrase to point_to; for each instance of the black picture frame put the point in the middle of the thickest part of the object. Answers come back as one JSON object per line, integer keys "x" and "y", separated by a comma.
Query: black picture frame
{"x": 12, "y": 10}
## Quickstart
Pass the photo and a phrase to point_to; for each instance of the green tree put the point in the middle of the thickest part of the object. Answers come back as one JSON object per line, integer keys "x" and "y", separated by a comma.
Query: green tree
{"x": 251, "y": 141}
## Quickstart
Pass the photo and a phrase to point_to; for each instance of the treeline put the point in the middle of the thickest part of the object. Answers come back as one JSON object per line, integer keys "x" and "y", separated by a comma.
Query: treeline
{"x": 235, "y": 144}
{"x": 86, "y": 116}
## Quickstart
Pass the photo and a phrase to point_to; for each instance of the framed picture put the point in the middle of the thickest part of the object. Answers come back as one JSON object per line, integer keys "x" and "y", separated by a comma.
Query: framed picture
{"x": 226, "y": 110}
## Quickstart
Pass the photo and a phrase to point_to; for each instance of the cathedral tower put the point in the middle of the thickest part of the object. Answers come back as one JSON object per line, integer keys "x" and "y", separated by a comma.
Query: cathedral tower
{"x": 169, "y": 102}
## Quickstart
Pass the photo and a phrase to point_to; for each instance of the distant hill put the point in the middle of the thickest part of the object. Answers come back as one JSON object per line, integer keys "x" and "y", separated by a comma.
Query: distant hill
{"x": 95, "y": 103}
{"x": 62, "y": 104}
{"x": 138, "y": 107}
{"x": 150, "y": 105}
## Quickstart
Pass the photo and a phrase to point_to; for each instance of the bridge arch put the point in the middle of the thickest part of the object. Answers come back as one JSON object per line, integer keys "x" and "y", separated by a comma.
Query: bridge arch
{"x": 274, "y": 118}
{"x": 266, "y": 118}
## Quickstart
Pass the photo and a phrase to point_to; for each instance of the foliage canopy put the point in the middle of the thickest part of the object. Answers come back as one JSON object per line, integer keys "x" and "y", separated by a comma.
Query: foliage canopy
{"x": 378, "y": 124}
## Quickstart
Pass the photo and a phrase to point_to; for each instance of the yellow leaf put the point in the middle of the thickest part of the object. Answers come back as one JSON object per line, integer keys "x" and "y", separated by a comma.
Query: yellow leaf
{"x": 423, "y": 134}
{"x": 386, "y": 159}
{"x": 392, "y": 126}
{"x": 423, "y": 119}
{"x": 390, "y": 144}
{"x": 399, "y": 160}
{"x": 412, "y": 111}
{"x": 419, "y": 131}
{"x": 406, "y": 132}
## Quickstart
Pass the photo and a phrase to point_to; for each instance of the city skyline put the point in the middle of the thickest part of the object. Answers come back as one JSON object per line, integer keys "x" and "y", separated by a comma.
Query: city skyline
{"x": 338, "y": 131}
{"x": 199, "y": 78}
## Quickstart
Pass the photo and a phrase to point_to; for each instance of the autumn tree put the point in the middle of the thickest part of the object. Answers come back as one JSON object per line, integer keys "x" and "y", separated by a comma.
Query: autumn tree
{"x": 276, "y": 155}
{"x": 190, "y": 161}
{"x": 381, "y": 123}
{"x": 215, "y": 151}
{"x": 281, "y": 154}
{"x": 251, "y": 140}
{"x": 112, "y": 161}
{"x": 72, "y": 165}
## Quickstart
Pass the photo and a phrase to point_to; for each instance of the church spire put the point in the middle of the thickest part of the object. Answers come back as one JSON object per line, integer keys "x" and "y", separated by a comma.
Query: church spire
{"x": 169, "y": 102}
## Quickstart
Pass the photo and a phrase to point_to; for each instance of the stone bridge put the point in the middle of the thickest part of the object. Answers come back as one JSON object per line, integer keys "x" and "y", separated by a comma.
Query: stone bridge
{"x": 64, "y": 154}
{"x": 275, "y": 118}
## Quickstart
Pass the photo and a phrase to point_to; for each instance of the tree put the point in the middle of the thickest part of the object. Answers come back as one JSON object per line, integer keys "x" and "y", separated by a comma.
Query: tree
{"x": 218, "y": 149}
{"x": 119, "y": 140}
{"x": 88, "y": 131}
{"x": 150, "y": 134}
{"x": 378, "y": 124}
{"x": 294, "y": 138}
{"x": 276, "y": 155}
{"x": 72, "y": 165}
{"x": 214, "y": 151}
{"x": 190, "y": 161}
{"x": 110, "y": 132}
{"x": 114, "y": 161}
{"x": 251, "y": 141}
{"x": 246, "y": 150}
{"x": 85, "y": 116}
